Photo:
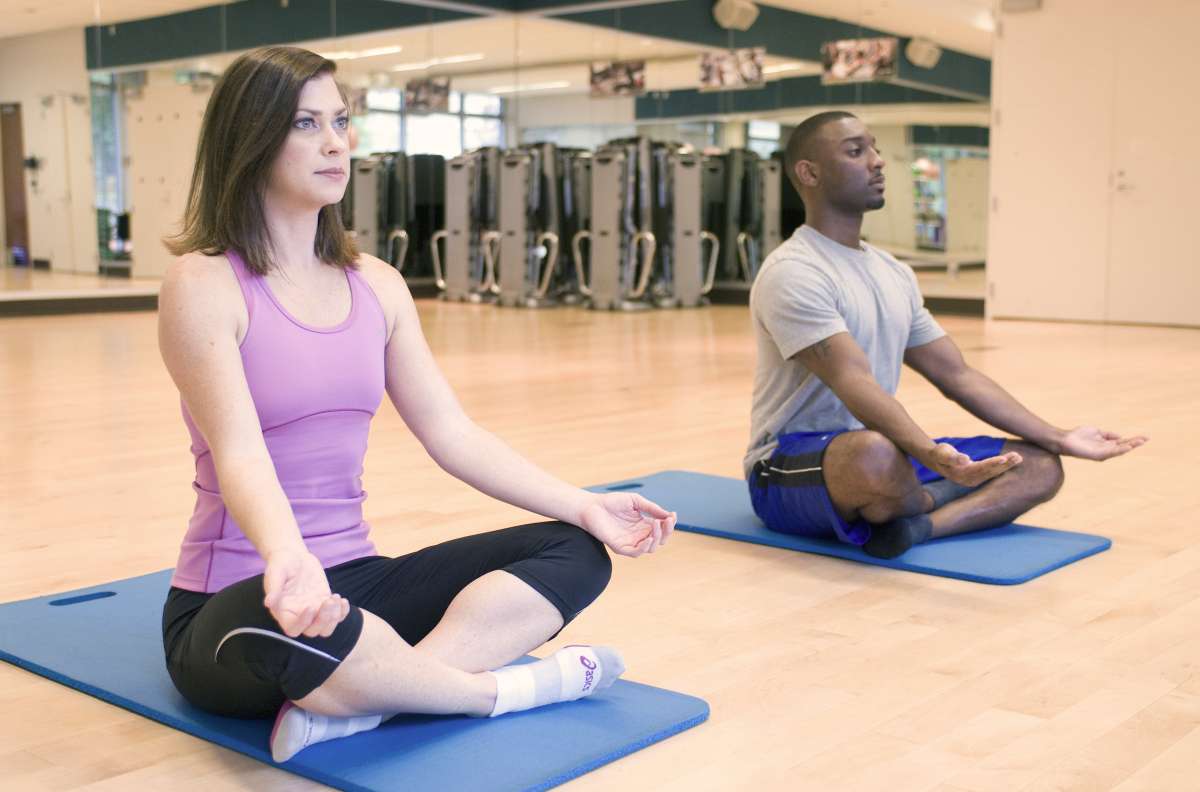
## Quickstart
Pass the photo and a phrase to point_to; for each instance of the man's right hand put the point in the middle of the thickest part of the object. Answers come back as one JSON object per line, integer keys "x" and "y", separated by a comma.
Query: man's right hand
{"x": 298, "y": 596}
{"x": 948, "y": 461}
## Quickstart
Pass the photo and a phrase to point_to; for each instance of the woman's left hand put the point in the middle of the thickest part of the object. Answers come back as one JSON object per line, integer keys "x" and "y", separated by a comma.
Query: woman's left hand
{"x": 628, "y": 523}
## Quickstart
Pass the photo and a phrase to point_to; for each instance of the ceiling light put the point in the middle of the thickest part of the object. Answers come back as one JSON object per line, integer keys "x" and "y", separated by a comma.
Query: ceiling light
{"x": 545, "y": 86}
{"x": 983, "y": 20}
{"x": 425, "y": 64}
{"x": 356, "y": 54}
{"x": 782, "y": 67}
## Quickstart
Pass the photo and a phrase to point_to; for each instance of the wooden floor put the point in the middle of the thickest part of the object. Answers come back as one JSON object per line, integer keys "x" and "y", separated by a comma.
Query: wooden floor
{"x": 966, "y": 283}
{"x": 24, "y": 283}
{"x": 822, "y": 674}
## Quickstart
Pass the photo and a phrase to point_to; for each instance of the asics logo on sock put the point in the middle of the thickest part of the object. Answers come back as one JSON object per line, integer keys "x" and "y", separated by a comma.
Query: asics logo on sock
{"x": 589, "y": 675}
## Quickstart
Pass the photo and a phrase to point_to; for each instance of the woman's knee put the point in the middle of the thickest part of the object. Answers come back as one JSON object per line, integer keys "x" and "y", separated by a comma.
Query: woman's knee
{"x": 573, "y": 563}
{"x": 590, "y": 559}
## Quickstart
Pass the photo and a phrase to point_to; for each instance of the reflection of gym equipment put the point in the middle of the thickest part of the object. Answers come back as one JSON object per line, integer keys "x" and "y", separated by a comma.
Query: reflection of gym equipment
{"x": 761, "y": 234}
{"x": 621, "y": 244}
{"x": 644, "y": 209}
{"x": 577, "y": 214}
{"x": 791, "y": 208}
{"x": 681, "y": 278}
{"x": 368, "y": 193}
{"x": 396, "y": 210}
{"x": 530, "y": 212}
{"x": 743, "y": 191}
{"x": 420, "y": 210}
{"x": 471, "y": 237}
{"x": 392, "y": 201}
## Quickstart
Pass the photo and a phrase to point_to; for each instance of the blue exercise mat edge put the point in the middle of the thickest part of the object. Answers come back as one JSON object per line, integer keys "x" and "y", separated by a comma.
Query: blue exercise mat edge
{"x": 730, "y": 516}
{"x": 262, "y": 753}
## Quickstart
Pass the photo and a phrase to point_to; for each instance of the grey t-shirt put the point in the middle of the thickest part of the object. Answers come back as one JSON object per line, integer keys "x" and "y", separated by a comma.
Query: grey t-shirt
{"x": 807, "y": 290}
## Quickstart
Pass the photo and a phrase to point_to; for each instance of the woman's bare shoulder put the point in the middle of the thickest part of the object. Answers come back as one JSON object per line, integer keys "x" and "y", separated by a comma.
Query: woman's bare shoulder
{"x": 199, "y": 283}
{"x": 387, "y": 282}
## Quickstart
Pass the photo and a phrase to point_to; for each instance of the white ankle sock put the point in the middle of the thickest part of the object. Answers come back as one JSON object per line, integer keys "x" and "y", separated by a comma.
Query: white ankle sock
{"x": 297, "y": 728}
{"x": 570, "y": 673}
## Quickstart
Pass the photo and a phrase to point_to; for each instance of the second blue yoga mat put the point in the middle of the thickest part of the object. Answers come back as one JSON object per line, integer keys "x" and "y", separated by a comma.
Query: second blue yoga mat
{"x": 720, "y": 506}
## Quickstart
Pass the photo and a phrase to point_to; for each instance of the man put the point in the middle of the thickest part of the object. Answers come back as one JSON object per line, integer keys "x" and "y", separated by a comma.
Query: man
{"x": 832, "y": 453}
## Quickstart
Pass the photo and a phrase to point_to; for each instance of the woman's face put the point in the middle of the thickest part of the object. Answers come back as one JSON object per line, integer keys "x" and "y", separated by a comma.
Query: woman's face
{"x": 313, "y": 166}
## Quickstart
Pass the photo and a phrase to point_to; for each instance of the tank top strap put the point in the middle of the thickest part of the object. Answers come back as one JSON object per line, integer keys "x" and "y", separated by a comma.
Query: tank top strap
{"x": 364, "y": 295}
{"x": 245, "y": 279}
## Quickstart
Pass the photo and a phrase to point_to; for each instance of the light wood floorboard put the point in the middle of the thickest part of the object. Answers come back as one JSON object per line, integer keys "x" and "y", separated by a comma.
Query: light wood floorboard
{"x": 822, "y": 674}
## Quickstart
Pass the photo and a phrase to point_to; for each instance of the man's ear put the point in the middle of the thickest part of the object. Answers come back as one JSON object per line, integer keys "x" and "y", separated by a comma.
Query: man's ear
{"x": 808, "y": 173}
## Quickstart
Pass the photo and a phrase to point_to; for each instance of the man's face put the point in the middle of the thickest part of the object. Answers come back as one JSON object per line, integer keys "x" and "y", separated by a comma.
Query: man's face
{"x": 848, "y": 167}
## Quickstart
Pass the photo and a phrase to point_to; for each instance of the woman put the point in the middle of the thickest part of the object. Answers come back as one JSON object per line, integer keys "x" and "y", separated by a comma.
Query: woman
{"x": 282, "y": 340}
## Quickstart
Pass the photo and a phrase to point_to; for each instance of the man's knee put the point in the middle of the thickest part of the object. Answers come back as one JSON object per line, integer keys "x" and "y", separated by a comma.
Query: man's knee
{"x": 877, "y": 464}
{"x": 1045, "y": 474}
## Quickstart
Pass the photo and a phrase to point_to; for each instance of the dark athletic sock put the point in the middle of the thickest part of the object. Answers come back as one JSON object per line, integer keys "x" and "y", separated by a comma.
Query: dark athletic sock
{"x": 945, "y": 490}
{"x": 890, "y": 539}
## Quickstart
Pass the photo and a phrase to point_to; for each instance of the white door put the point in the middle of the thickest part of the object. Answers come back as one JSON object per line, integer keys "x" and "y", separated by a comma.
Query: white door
{"x": 1154, "y": 261}
{"x": 1050, "y": 148}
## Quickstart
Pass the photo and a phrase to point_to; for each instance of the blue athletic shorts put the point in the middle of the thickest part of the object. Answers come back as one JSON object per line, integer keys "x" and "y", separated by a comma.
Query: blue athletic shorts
{"x": 788, "y": 489}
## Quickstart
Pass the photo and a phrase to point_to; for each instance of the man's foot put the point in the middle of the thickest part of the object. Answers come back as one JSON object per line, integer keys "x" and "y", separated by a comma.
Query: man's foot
{"x": 893, "y": 538}
{"x": 944, "y": 490}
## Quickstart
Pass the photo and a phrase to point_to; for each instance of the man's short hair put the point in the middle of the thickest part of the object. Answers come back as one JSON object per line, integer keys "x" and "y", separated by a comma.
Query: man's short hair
{"x": 801, "y": 142}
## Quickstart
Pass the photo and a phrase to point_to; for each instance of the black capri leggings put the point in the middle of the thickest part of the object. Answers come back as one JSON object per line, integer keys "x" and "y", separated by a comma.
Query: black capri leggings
{"x": 226, "y": 654}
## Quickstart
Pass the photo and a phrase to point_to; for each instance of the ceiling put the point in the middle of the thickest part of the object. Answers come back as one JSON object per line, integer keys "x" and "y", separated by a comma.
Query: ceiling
{"x": 538, "y": 55}
{"x": 534, "y": 54}
{"x": 22, "y": 17}
{"x": 964, "y": 25}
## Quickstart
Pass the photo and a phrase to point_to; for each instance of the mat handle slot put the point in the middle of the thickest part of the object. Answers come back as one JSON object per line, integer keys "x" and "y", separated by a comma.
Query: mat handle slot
{"x": 95, "y": 595}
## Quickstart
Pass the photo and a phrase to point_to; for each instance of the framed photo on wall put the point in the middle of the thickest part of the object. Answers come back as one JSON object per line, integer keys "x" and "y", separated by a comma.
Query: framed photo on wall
{"x": 722, "y": 70}
{"x": 431, "y": 95}
{"x": 859, "y": 60}
{"x": 618, "y": 78}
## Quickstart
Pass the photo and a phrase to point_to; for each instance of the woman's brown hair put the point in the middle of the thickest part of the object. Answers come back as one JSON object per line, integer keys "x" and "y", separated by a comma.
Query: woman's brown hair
{"x": 246, "y": 123}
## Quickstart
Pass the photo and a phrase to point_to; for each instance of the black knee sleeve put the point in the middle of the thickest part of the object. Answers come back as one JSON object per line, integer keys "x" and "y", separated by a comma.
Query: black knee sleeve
{"x": 567, "y": 566}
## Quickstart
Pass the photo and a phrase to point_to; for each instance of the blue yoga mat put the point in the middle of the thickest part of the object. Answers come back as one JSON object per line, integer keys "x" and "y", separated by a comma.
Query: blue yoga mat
{"x": 720, "y": 506}
{"x": 106, "y": 641}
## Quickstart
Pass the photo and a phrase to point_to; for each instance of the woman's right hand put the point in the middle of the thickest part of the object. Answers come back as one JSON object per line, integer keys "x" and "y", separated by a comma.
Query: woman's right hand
{"x": 298, "y": 596}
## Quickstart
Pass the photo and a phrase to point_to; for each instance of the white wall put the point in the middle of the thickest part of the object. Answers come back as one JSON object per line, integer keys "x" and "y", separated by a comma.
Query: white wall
{"x": 3, "y": 241}
{"x": 1092, "y": 171}
{"x": 569, "y": 109}
{"x": 46, "y": 75}
{"x": 162, "y": 128}
{"x": 966, "y": 205}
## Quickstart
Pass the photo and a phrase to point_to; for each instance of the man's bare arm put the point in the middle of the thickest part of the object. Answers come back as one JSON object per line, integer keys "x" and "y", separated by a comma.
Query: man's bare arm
{"x": 841, "y": 364}
{"x": 942, "y": 364}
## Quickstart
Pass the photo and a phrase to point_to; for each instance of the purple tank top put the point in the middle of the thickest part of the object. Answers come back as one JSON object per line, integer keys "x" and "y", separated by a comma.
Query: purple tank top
{"x": 315, "y": 390}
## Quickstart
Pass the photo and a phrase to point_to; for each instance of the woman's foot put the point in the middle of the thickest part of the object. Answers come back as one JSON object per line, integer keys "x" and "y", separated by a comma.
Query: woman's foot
{"x": 297, "y": 728}
{"x": 570, "y": 673}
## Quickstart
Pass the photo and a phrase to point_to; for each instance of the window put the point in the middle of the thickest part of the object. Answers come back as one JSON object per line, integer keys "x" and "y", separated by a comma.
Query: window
{"x": 388, "y": 99}
{"x": 379, "y": 131}
{"x": 472, "y": 121}
{"x": 435, "y": 133}
{"x": 106, "y": 143}
{"x": 482, "y": 104}
{"x": 762, "y": 137}
{"x": 479, "y": 132}
{"x": 108, "y": 169}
